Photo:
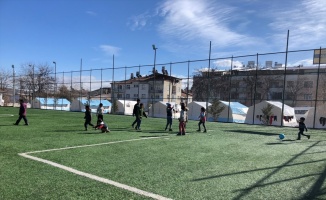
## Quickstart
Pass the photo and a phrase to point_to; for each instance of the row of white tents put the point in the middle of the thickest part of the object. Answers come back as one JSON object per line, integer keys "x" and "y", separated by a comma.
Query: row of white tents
{"x": 232, "y": 112}
{"x": 239, "y": 113}
{"x": 77, "y": 105}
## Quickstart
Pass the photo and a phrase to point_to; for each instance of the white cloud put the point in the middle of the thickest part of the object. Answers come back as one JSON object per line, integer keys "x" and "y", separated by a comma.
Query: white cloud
{"x": 306, "y": 21}
{"x": 139, "y": 21}
{"x": 110, "y": 50}
{"x": 226, "y": 63}
{"x": 91, "y": 13}
{"x": 305, "y": 62}
{"x": 203, "y": 20}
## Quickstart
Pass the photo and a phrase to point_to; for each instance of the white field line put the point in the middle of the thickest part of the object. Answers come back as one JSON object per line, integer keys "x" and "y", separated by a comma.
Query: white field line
{"x": 91, "y": 176}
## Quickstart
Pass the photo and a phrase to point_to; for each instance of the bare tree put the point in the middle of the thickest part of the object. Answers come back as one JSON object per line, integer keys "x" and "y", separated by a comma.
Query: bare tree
{"x": 5, "y": 79}
{"x": 215, "y": 109}
{"x": 294, "y": 89}
{"x": 38, "y": 79}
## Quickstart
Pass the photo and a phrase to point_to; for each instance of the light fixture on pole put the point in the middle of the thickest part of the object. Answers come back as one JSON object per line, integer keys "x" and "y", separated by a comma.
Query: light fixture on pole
{"x": 13, "y": 85}
{"x": 55, "y": 85}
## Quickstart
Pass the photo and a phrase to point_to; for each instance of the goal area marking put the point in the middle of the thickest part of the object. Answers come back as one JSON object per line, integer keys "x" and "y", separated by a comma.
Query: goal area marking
{"x": 91, "y": 176}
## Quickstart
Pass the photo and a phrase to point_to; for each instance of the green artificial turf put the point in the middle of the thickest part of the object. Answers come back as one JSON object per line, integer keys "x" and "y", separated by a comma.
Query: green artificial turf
{"x": 230, "y": 161}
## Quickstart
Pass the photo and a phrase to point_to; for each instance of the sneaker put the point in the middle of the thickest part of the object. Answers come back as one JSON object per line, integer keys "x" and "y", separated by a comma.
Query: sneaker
{"x": 205, "y": 131}
{"x": 178, "y": 133}
{"x": 183, "y": 133}
{"x": 26, "y": 124}
{"x": 298, "y": 139}
{"x": 133, "y": 126}
{"x": 15, "y": 124}
{"x": 198, "y": 130}
{"x": 170, "y": 129}
{"x": 308, "y": 137}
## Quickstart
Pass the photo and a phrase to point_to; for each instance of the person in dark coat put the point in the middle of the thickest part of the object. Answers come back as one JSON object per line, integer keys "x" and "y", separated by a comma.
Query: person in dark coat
{"x": 88, "y": 117}
{"x": 135, "y": 111}
{"x": 22, "y": 112}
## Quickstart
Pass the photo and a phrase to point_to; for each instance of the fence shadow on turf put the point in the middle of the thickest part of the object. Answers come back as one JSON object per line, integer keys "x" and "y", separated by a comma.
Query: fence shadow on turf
{"x": 314, "y": 192}
{"x": 252, "y": 132}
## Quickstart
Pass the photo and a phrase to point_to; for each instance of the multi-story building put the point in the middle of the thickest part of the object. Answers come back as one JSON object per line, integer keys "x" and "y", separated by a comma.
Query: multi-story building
{"x": 150, "y": 88}
{"x": 304, "y": 86}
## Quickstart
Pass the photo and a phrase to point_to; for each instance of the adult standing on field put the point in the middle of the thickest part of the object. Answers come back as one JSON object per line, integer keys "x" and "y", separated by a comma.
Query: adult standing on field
{"x": 135, "y": 112}
{"x": 22, "y": 112}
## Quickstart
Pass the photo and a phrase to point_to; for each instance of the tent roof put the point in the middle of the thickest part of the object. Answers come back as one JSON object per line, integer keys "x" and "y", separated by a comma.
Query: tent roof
{"x": 236, "y": 107}
{"x": 51, "y": 100}
{"x": 95, "y": 102}
{"x": 201, "y": 103}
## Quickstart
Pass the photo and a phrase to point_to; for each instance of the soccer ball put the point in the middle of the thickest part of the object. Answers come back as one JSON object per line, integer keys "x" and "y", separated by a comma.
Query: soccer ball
{"x": 281, "y": 136}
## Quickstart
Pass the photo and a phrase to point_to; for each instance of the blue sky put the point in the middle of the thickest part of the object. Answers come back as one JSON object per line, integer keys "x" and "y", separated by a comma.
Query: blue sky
{"x": 66, "y": 31}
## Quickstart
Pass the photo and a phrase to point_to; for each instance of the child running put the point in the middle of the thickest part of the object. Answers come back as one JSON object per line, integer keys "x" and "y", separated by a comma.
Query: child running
{"x": 88, "y": 117}
{"x": 169, "y": 111}
{"x": 202, "y": 119}
{"x": 302, "y": 126}
{"x": 139, "y": 116}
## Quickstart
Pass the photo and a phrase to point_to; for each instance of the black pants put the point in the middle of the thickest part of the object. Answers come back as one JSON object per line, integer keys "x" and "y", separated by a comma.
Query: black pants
{"x": 301, "y": 133}
{"x": 88, "y": 122}
{"x": 201, "y": 122}
{"x": 20, "y": 118}
{"x": 99, "y": 116}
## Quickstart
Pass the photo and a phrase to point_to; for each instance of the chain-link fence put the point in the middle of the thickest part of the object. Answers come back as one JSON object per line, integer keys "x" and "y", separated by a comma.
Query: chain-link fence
{"x": 272, "y": 88}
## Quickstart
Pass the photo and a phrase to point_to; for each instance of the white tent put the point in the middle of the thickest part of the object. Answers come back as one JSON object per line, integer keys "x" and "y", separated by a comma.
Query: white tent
{"x": 51, "y": 104}
{"x": 78, "y": 105}
{"x": 275, "y": 119}
{"x": 301, "y": 112}
{"x": 1, "y": 100}
{"x": 194, "y": 109}
{"x": 160, "y": 110}
{"x": 320, "y": 121}
{"x": 233, "y": 112}
{"x": 125, "y": 107}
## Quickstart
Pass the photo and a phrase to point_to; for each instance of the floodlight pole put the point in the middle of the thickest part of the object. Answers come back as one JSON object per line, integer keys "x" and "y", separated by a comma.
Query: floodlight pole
{"x": 55, "y": 85}
{"x": 13, "y": 84}
{"x": 154, "y": 72}
{"x": 33, "y": 86}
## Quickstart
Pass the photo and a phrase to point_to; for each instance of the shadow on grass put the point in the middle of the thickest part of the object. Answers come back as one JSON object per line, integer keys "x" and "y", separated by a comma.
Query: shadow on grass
{"x": 314, "y": 192}
{"x": 287, "y": 141}
{"x": 253, "y": 132}
{"x": 151, "y": 136}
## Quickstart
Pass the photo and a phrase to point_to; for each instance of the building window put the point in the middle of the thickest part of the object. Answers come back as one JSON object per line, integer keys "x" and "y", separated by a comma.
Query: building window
{"x": 308, "y": 84}
{"x": 290, "y": 83}
{"x": 234, "y": 95}
{"x": 276, "y": 95}
{"x": 128, "y": 87}
{"x": 258, "y": 96}
{"x": 120, "y": 87}
{"x": 127, "y": 96}
{"x": 136, "y": 95}
{"x": 143, "y": 96}
{"x": 143, "y": 87}
{"x": 307, "y": 96}
{"x": 275, "y": 84}
{"x": 119, "y": 95}
{"x": 135, "y": 86}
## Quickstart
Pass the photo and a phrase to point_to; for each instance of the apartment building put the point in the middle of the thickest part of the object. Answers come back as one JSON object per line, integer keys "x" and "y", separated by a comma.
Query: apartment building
{"x": 304, "y": 86}
{"x": 150, "y": 88}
